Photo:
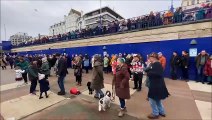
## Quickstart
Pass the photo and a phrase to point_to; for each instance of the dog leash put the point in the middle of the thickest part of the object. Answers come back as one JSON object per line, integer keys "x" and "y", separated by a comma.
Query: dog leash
{"x": 113, "y": 94}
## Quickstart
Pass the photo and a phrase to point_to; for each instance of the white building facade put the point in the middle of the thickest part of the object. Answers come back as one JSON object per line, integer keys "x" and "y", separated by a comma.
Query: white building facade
{"x": 92, "y": 19}
{"x": 75, "y": 20}
{"x": 69, "y": 23}
{"x": 19, "y": 38}
{"x": 189, "y": 4}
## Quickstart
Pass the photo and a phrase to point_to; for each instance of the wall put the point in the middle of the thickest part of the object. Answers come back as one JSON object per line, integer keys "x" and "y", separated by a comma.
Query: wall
{"x": 165, "y": 40}
{"x": 6, "y": 45}
{"x": 166, "y": 47}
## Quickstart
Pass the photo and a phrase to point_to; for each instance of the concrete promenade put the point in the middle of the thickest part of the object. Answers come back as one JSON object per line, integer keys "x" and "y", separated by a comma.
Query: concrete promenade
{"x": 187, "y": 101}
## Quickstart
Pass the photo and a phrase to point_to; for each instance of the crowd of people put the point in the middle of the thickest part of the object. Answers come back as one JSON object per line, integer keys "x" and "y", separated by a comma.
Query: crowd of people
{"x": 124, "y": 67}
{"x": 141, "y": 22}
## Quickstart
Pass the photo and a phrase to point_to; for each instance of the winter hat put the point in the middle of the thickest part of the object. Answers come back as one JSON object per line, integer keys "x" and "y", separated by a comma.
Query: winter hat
{"x": 154, "y": 55}
{"x": 160, "y": 53}
{"x": 44, "y": 59}
{"x": 122, "y": 60}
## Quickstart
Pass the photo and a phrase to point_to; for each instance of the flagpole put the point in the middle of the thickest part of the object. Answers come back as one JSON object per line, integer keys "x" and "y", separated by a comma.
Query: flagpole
{"x": 172, "y": 6}
{"x": 5, "y": 32}
{"x": 100, "y": 13}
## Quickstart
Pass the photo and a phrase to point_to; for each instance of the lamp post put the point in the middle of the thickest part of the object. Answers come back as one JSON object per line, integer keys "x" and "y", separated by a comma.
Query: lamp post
{"x": 193, "y": 49}
{"x": 172, "y": 6}
{"x": 100, "y": 17}
{"x": 5, "y": 32}
{"x": 104, "y": 50}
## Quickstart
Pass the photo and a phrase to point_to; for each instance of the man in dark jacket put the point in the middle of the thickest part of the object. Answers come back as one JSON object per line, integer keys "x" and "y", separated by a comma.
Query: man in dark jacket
{"x": 33, "y": 76}
{"x": 201, "y": 60}
{"x": 184, "y": 65}
{"x": 157, "y": 87}
{"x": 61, "y": 73}
{"x": 175, "y": 61}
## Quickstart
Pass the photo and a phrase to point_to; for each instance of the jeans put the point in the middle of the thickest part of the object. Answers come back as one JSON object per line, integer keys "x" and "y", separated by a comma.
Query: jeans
{"x": 33, "y": 85}
{"x": 99, "y": 93}
{"x": 201, "y": 76}
{"x": 122, "y": 103}
{"x": 61, "y": 83}
{"x": 157, "y": 107}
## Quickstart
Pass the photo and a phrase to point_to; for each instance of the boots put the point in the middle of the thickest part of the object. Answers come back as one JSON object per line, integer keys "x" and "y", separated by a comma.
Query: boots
{"x": 122, "y": 112}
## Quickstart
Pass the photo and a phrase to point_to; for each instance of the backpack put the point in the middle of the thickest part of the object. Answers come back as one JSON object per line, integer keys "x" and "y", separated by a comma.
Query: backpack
{"x": 74, "y": 91}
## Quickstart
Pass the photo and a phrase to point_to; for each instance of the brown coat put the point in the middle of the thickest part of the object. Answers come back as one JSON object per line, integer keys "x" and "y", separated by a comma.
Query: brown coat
{"x": 97, "y": 77}
{"x": 122, "y": 86}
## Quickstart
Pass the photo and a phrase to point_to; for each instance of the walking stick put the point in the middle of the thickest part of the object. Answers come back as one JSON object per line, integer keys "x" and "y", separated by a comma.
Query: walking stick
{"x": 113, "y": 90}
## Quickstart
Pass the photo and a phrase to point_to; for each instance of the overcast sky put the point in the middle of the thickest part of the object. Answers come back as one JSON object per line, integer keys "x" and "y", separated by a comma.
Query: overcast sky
{"x": 34, "y": 17}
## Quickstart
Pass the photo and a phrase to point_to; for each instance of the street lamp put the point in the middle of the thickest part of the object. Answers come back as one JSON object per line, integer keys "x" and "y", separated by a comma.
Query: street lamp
{"x": 104, "y": 50}
{"x": 5, "y": 32}
{"x": 100, "y": 17}
{"x": 193, "y": 49}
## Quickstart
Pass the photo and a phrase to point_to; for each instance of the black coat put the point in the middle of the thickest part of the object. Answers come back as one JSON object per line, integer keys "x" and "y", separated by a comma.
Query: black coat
{"x": 44, "y": 85}
{"x": 184, "y": 61}
{"x": 157, "y": 86}
{"x": 78, "y": 69}
{"x": 62, "y": 67}
{"x": 175, "y": 61}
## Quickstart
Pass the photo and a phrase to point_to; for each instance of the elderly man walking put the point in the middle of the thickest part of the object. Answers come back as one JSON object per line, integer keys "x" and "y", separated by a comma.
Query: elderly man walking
{"x": 201, "y": 60}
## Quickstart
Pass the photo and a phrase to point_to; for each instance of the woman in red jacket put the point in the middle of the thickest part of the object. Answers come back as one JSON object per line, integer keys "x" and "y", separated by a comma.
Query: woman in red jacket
{"x": 208, "y": 70}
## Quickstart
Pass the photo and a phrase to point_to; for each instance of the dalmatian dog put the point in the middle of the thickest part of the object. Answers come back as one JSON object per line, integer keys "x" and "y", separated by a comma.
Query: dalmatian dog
{"x": 105, "y": 101}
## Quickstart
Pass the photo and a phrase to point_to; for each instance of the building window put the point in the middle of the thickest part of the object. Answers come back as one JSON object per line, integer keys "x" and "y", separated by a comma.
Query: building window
{"x": 193, "y": 2}
{"x": 197, "y": 1}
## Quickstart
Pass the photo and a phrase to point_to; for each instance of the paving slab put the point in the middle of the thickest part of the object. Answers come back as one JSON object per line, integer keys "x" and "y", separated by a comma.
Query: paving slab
{"x": 205, "y": 109}
{"x": 12, "y": 86}
{"x": 26, "y": 105}
{"x": 78, "y": 109}
{"x": 109, "y": 87}
{"x": 202, "y": 96}
{"x": 199, "y": 86}
{"x": 7, "y": 76}
{"x": 179, "y": 106}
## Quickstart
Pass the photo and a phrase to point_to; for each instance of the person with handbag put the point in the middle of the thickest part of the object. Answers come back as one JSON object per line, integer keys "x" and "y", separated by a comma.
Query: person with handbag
{"x": 122, "y": 87}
